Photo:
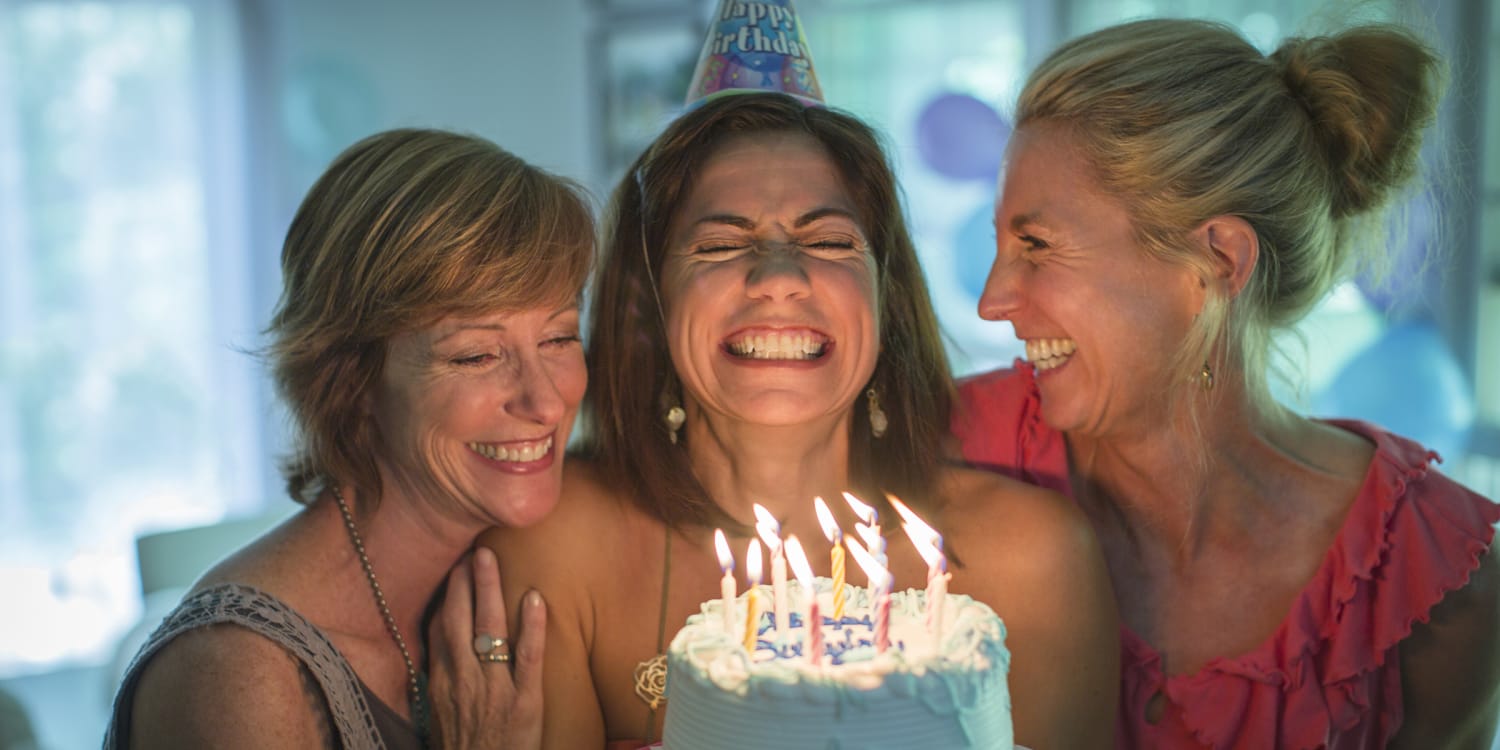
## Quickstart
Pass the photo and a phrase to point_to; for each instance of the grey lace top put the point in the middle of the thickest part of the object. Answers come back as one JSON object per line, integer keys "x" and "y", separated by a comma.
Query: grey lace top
{"x": 361, "y": 720}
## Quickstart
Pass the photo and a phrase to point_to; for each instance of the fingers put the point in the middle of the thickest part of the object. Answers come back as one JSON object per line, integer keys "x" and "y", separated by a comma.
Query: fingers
{"x": 489, "y": 599}
{"x": 457, "y": 615}
{"x": 526, "y": 716}
{"x": 533, "y": 641}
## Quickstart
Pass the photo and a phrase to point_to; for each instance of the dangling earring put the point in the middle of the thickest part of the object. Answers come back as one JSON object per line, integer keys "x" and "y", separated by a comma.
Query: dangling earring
{"x": 1206, "y": 377}
{"x": 878, "y": 421}
{"x": 674, "y": 417}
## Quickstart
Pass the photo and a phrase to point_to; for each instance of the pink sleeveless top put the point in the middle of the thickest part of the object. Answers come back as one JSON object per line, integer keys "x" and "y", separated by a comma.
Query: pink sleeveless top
{"x": 1330, "y": 676}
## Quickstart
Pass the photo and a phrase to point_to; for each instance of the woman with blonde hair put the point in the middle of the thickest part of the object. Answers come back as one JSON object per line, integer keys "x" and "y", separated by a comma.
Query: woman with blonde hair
{"x": 1172, "y": 197}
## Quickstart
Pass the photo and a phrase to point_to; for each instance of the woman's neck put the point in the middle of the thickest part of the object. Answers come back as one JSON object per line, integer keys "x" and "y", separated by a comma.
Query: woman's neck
{"x": 780, "y": 468}
{"x": 410, "y": 551}
{"x": 1181, "y": 486}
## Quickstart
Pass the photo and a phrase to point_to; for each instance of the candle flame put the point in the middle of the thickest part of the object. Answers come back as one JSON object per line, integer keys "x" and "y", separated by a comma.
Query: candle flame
{"x": 865, "y": 512}
{"x": 763, "y": 517}
{"x": 867, "y": 562}
{"x": 752, "y": 563}
{"x": 831, "y": 528}
{"x": 721, "y": 546}
{"x": 796, "y": 558}
{"x": 921, "y": 534}
{"x": 767, "y": 526}
{"x": 869, "y": 534}
{"x": 930, "y": 548}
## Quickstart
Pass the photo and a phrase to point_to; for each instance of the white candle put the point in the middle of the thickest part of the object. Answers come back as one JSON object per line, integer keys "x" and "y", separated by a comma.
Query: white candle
{"x": 770, "y": 532}
{"x": 726, "y": 584}
{"x": 798, "y": 560}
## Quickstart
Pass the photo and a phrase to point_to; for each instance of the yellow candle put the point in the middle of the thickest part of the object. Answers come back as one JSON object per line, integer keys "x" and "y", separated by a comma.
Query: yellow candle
{"x": 835, "y": 536}
{"x": 752, "y": 597}
{"x": 837, "y": 556}
{"x": 752, "y": 618}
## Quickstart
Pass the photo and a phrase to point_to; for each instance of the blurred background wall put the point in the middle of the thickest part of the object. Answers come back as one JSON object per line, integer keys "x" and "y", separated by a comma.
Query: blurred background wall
{"x": 152, "y": 153}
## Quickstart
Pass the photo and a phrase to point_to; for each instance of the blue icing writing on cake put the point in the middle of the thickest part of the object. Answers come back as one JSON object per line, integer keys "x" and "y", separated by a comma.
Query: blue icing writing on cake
{"x": 921, "y": 691}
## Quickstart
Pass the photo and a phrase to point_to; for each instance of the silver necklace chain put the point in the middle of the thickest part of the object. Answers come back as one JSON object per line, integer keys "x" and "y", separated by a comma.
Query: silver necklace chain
{"x": 413, "y": 684}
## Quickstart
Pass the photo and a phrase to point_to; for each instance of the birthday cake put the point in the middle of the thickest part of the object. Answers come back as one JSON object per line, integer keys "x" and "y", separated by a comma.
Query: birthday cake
{"x": 867, "y": 684}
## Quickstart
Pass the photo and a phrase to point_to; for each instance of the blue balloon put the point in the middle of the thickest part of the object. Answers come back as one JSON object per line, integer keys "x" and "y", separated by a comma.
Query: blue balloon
{"x": 961, "y": 137}
{"x": 974, "y": 249}
{"x": 1408, "y": 382}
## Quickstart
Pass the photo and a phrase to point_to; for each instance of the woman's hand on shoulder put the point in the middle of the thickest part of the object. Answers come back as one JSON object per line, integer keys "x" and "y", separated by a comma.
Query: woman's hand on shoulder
{"x": 491, "y": 699}
{"x": 1450, "y": 668}
{"x": 560, "y": 558}
{"x": 1032, "y": 554}
{"x": 225, "y": 686}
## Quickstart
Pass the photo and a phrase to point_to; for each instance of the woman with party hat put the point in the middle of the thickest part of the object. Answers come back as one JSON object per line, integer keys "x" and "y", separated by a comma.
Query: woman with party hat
{"x": 761, "y": 333}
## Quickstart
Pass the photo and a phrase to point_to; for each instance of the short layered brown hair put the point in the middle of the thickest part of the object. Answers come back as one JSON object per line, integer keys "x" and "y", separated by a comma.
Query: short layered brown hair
{"x": 406, "y": 227}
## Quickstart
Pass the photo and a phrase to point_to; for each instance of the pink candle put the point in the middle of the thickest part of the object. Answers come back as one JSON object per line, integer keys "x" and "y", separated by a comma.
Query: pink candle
{"x": 798, "y": 560}
{"x": 883, "y": 617}
{"x": 929, "y": 545}
{"x": 881, "y": 582}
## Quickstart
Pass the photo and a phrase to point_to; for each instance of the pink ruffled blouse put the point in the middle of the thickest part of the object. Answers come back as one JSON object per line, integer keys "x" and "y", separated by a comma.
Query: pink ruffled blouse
{"x": 1330, "y": 676}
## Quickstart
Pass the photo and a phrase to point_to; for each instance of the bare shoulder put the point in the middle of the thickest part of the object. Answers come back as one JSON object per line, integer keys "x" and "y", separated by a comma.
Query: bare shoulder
{"x": 573, "y": 550}
{"x": 998, "y": 520}
{"x": 226, "y": 686}
{"x": 588, "y": 514}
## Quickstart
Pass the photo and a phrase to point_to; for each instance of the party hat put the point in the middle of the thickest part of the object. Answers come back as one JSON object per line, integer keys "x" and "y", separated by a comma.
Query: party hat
{"x": 754, "y": 46}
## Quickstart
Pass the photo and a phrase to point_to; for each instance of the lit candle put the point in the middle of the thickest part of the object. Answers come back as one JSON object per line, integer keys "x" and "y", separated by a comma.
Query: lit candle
{"x": 836, "y": 555}
{"x": 752, "y": 596}
{"x": 865, "y": 511}
{"x": 929, "y": 544}
{"x": 798, "y": 560}
{"x": 770, "y": 533}
{"x": 726, "y": 584}
{"x": 869, "y": 530}
{"x": 881, "y": 581}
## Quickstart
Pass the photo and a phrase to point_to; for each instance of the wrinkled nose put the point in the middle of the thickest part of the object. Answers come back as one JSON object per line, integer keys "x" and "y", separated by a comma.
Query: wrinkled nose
{"x": 776, "y": 273}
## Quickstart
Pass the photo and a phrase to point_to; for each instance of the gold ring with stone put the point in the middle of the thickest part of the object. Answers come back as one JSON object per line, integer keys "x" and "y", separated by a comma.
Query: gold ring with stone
{"x": 486, "y": 646}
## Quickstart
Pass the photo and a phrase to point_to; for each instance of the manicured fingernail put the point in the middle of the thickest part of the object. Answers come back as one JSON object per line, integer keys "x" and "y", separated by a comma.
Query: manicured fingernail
{"x": 533, "y": 599}
{"x": 484, "y": 556}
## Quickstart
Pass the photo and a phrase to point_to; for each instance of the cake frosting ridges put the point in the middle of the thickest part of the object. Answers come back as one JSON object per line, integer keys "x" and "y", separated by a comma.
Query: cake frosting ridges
{"x": 918, "y": 692}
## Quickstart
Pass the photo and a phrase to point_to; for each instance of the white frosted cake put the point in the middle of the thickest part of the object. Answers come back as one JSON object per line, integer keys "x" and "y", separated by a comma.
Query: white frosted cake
{"x": 919, "y": 692}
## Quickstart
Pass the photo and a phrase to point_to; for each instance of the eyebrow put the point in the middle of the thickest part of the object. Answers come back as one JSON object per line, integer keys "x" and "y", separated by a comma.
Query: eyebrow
{"x": 1017, "y": 223}
{"x": 740, "y": 222}
{"x": 498, "y": 327}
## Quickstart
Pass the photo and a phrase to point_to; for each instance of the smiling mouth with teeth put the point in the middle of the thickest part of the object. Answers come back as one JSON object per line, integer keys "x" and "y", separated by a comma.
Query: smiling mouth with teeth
{"x": 802, "y": 345}
{"x": 518, "y": 453}
{"x": 1045, "y": 354}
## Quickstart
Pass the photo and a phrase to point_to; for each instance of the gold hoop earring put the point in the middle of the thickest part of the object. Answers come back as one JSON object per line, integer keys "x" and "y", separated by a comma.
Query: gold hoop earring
{"x": 878, "y": 421}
